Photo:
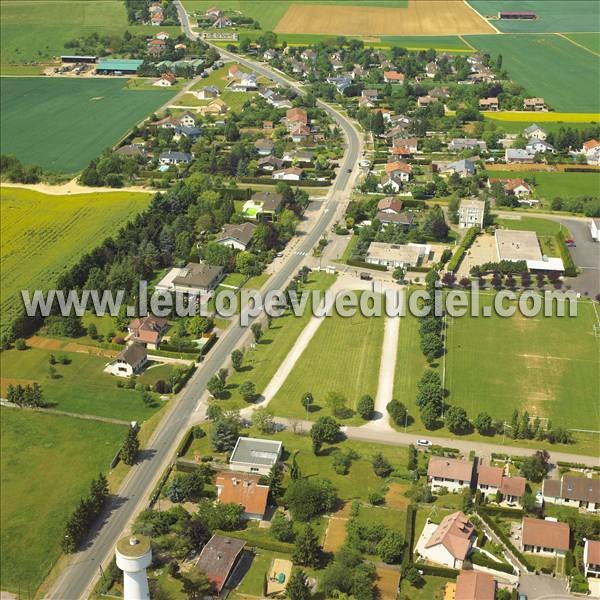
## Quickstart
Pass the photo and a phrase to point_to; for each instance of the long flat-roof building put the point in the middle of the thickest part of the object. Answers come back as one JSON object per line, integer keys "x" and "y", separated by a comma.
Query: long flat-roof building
{"x": 118, "y": 66}
{"x": 396, "y": 255}
{"x": 253, "y": 455}
{"x": 524, "y": 246}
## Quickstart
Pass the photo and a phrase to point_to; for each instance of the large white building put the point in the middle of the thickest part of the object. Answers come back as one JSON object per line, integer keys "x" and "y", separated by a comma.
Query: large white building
{"x": 252, "y": 455}
{"x": 396, "y": 255}
{"x": 471, "y": 213}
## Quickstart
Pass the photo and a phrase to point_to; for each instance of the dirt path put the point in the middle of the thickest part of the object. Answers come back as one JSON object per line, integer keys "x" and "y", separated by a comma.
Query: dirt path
{"x": 74, "y": 188}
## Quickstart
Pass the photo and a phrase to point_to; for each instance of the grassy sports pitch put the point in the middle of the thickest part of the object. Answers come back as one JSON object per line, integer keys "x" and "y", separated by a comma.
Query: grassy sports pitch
{"x": 42, "y": 235}
{"x": 556, "y": 15}
{"x": 529, "y": 58}
{"x": 62, "y": 124}
{"x": 48, "y": 462}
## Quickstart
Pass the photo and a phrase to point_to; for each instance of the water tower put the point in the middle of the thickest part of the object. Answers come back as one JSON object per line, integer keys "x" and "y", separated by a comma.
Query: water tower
{"x": 134, "y": 555}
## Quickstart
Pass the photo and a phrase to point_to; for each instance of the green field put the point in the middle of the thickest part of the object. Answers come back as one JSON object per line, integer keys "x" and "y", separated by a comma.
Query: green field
{"x": 540, "y": 226}
{"x": 61, "y": 124}
{"x": 37, "y": 31}
{"x": 549, "y": 185}
{"x": 553, "y": 16}
{"x": 82, "y": 386}
{"x": 511, "y": 126}
{"x": 544, "y": 365}
{"x": 48, "y": 462}
{"x": 574, "y": 84}
{"x": 43, "y": 235}
{"x": 343, "y": 356}
{"x": 590, "y": 40}
{"x": 424, "y": 42}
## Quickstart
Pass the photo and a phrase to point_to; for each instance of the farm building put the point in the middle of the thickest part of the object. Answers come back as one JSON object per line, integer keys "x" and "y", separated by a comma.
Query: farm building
{"x": 121, "y": 66}
{"x": 78, "y": 59}
{"x": 517, "y": 15}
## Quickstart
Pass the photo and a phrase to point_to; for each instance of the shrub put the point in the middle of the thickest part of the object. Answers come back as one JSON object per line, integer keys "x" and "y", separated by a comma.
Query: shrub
{"x": 20, "y": 344}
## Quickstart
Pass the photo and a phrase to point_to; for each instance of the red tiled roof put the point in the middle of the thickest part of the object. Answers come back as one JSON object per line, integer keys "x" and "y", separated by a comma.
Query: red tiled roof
{"x": 454, "y": 533}
{"x": 474, "y": 585}
{"x": 244, "y": 489}
{"x": 547, "y": 534}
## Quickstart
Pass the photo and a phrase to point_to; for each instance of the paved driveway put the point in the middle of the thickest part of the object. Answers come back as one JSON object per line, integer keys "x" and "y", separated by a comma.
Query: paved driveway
{"x": 543, "y": 587}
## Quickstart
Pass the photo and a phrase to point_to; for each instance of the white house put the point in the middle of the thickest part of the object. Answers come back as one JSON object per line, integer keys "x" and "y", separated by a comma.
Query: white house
{"x": 289, "y": 174}
{"x": 450, "y": 473}
{"x": 548, "y": 536}
{"x": 130, "y": 361}
{"x": 396, "y": 255}
{"x": 237, "y": 236}
{"x": 175, "y": 158}
{"x": 591, "y": 150}
{"x": 187, "y": 119}
{"x": 595, "y": 229}
{"x": 252, "y": 455}
{"x": 539, "y": 146}
{"x": 535, "y": 132}
{"x": 471, "y": 213}
{"x": 591, "y": 558}
{"x": 451, "y": 542}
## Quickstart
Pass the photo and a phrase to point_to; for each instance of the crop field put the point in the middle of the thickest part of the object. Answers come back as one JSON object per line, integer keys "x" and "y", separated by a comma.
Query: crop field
{"x": 43, "y": 235}
{"x": 591, "y": 41}
{"x": 528, "y": 59}
{"x": 61, "y": 124}
{"x": 557, "y": 184}
{"x": 48, "y": 462}
{"x": 546, "y": 365}
{"x": 512, "y": 126}
{"x": 528, "y": 118}
{"x": 343, "y": 356}
{"x": 423, "y": 17}
{"x": 37, "y": 31}
{"x": 553, "y": 16}
{"x": 442, "y": 43}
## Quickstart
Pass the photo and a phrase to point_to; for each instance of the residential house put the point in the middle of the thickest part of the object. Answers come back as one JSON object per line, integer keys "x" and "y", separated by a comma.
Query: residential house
{"x": 208, "y": 92}
{"x": 536, "y": 104}
{"x": 187, "y": 119}
{"x": 195, "y": 279}
{"x": 268, "y": 125}
{"x": 130, "y": 361}
{"x": 298, "y": 67}
{"x": 295, "y": 117}
{"x": 471, "y": 585}
{"x": 171, "y": 157}
{"x": 237, "y": 236}
{"x": 162, "y": 35}
{"x": 298, "y": 156}
{"x": 452, "y": 541}
{"x": 279, "y": 101}
{"x": 370, "y": 94}
{"x": 460, "y": 144}
{"x": 425, "y": 101}
{"x": 308, "y": 54}
{"x": 337, "y": 65}
{"x": 156, "y": 18}
{"x": 491, "y": 480}
{"x": 390, "y": 205}
{"x": 579, "y": 492}
{"x": 218, "y": 560}
{"x": 450, "y": 473}
{"x": 396, "y": 255}
{"x": 252, "y": 455}
{"x": 358, "y": 71}
{"x": 193, "y": 133}
{"x": 490, "y": 104}
{"x": 400, "y": 169}
{"x": 591, "y": 150}
{"x": 402, "y": 146}
{"x": 391, "y": 183}
{"x": 364, "y": 102}
{"x": 166, "y": 80}
{"x": 431, "y": 69}
{"x": 404, "y": 220}
{"x": 595, "y": 229}
{"x": 130, "y": 150}
{"x": 299, "y": 133}
{"x": 214, "y": 107}
{"x": 440, "y": 92}
{"x": 270, "y": 54}
{"x": 270, "y": 163}
{"x": 341, "y": 82}
{"x": 263, "y": 206}
{"x": 471, "y": 213}
{"x": 535, "y": 132}
{"x": 222, "y": 22}
{"x": 213, "y": 13}
{"x": 545, "y": 536}
{"x": 246, "y": 83}
{"x": 591, "y": 558}
{"x": 464, "y": 168}
{"x": 148, "y": 330}
{"x": 264, "y": 146}
{"x": 289, "y": 174}
{"x": 518, "y": 187}
{"x": 156, "y": 47}
{"x": 166, "y": 123}
{"x": 516, "y": 155}
{"x": 393, "y": 77}
{"x": 234, "y": 72}
{"x": 539, "y": 147}
{"x": 243, "y": 489}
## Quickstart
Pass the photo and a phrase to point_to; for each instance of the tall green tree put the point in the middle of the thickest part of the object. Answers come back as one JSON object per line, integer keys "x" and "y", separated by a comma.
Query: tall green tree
{"x": 307, "y": 551}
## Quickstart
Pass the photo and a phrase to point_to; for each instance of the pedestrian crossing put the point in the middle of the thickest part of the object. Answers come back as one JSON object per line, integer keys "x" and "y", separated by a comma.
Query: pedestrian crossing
{"x": 301, "y": 253}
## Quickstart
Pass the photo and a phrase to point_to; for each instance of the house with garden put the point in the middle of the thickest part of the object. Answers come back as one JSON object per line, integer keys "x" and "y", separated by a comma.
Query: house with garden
{"x": 130, "y": 361}
{"x": 547, "y": 536}
{"x": 451, "y": 473}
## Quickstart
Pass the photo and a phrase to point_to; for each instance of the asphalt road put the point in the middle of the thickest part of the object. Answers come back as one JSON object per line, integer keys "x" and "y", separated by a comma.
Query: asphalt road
{"x": 79, "y": 576}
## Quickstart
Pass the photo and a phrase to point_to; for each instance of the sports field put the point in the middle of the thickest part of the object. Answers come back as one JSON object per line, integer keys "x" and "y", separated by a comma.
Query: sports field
{"x": 48, "y": 462}
{"x": 529, "y": 59}
{"x": 42, "y": 235}
{"x": 62, "y": 124}
{"x": 343, "y": 356}
{"x": 553, "y": 15}
{"x": 422, "y": 17}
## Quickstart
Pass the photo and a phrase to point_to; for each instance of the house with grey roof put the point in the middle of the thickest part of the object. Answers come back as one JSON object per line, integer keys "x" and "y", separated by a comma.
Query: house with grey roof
{"x": 253, "y": 455}
{"x": 517, "y": 155}
{"x": 460, "y": 144}
{"x": 130, "y": 361}
{"x": 237, "y": 236}
{"x": 171, "y": 157}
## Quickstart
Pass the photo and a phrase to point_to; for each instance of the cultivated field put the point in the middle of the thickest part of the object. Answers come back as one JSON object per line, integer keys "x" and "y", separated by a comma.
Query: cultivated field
{"x": 527, "y": 118}
{"x": 517, "y": 126}
{"x": 48, "y": 462}
{"x": 43, "y": 235}
{"x": 591, "y": 41}
{"x": 529, "y": 58}
{"x": 424, "y": 17}
{"x": 62, "y": 124}
{"x": 553, "y": 16}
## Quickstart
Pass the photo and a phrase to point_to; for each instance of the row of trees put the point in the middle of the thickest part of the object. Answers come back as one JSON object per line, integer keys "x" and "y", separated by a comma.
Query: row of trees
{"x": 30, "y": 396}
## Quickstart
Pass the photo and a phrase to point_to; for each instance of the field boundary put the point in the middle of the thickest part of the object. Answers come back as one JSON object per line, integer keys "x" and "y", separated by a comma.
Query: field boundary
{"x": 562, "y": 35}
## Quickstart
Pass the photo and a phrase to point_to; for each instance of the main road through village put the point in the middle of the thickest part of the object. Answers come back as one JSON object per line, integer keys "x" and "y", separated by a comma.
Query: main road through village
{"x": 77, "y": 579}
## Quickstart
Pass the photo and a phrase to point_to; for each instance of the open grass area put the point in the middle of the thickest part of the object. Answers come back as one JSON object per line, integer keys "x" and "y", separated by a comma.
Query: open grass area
{"x": 516, "y": 126}
{"x": 61, "y": 124}
{"x": 343, "y": 356}
{"x": 545, "y": 365}
{"x": 540, "y": 226}
{"x": 591, "y": 41}
{"x": 42, "y": 235}
{"x": 441, "y": 43}
{"x": 432, "y": 589}
{"x": 549, "y": 185}
{"x": 82, "y": 386}
{"x": 37, "y": 31}
{"x": 48, "y": 462}
{"x": 559, "y": 15}
{"x": 574, "y": 83}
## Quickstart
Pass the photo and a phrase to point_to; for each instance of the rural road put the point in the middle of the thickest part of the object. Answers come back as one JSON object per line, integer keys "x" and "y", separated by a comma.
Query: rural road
{"x": 77, "y": 579}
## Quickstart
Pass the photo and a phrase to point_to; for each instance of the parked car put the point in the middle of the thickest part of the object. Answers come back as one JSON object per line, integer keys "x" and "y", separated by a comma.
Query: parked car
{"x": 366, "y": 276}
{"x": 424, "y": 443}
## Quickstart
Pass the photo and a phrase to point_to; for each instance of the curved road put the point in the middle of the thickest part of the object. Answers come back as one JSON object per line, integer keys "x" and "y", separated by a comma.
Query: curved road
{"x": 84, "y": 568}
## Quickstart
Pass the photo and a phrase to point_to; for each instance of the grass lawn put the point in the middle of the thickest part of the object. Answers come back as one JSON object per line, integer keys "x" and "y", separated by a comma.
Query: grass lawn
{"x": 255, "y": 283}
{"x": 42, "y": 235}
{"x": 261, "y": 362}
{"x": 48, "y": 462}
{"x": 540, "y": 226}
{"x": 61, "y": 124}
{"x": 545, "y": 365}
{"x": 529, "y": 58}
{"x": 432, "y": 589}
{"x": 82, "y": 387}
{"x": 235, "y": 280}
{"x": 518, "y": 126}
{"x": 349, "y": 249}
{"x": 442, "y": 43}
{"x": 343, "y": 356}
{"x": 254, "y": 579}
{"x": 217, "y": 78}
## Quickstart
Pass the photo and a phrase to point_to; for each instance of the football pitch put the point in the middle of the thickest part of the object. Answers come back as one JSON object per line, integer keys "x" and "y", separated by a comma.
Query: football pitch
{"x": 61, "y": 124}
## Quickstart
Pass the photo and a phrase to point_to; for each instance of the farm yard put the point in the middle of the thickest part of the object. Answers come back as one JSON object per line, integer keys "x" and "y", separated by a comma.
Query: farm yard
{"x": 529, "y": 58}
{"x": 43, "y": 235}
{"x": 62, "y": 124}
{"x": 48, "y": 462}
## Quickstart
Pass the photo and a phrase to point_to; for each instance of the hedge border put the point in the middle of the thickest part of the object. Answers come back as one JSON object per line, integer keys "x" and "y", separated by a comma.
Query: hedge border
{"x": 464, "y": 245}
